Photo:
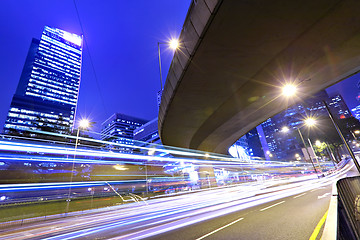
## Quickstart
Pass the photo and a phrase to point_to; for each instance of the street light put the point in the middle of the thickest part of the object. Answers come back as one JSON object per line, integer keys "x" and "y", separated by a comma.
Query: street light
{"x": 289, "y": 90}
{"x": 83, "y": 124}
{"x": 310, "y": 122}
{"x": 174, "y": 44}
{"x": 286, "y": 129}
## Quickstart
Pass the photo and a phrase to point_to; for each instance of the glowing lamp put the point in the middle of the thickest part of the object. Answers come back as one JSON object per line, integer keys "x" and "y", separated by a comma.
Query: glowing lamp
{"x": 310, "y": 122}
{"x": 174, "y": 44}
{"x": 289, "y": 90}
{"x": 84, "y": 123}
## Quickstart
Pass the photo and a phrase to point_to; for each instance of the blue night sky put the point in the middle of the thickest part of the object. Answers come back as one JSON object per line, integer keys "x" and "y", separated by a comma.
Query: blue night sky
{"x": 122, "y": 38}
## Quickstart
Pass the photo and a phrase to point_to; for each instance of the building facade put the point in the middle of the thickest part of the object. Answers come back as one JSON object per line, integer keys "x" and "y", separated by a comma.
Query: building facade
{"x": 47, "y": 93}
{"x": 148, "y": 132}
{"x": 119, "y": 128}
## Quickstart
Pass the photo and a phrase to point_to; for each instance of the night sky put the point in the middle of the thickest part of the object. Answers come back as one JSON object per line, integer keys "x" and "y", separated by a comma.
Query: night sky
{"x": 122, "y": 38}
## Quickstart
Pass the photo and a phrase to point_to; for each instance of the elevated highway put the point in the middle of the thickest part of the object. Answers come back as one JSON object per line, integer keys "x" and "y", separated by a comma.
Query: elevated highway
{"x": 236, "y": 55}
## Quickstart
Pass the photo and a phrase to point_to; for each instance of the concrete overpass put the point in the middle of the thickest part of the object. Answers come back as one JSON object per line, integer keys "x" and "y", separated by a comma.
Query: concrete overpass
{"x": 235, "y": 56}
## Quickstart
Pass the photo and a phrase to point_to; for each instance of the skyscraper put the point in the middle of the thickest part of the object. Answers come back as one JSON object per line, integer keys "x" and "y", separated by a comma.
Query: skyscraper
{"x": 47, "y": 93}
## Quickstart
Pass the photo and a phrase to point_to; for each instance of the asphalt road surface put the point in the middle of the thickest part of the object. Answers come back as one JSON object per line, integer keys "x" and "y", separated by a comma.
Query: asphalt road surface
{"x": 292, "y": 217}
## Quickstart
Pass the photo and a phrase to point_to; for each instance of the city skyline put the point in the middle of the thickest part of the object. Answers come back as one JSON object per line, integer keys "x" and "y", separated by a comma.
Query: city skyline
{"x": 123, "y": 49}
{"x": 119, "y": 85}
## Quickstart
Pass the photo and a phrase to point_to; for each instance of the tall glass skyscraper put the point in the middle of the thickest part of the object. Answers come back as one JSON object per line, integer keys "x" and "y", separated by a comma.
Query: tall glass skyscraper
{"x": 47, "y": 93}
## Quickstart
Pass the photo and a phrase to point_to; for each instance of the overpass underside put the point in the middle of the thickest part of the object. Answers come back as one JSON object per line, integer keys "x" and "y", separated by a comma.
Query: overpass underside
{"x": 235, "y": 55}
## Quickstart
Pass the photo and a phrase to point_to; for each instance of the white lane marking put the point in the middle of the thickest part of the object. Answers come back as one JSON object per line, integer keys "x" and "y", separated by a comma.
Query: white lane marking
{"x": 300, "y": 195}
{"x": 322, "y": 196}
{"x": 271, "y": 206}
{"x": 227, "y": 225}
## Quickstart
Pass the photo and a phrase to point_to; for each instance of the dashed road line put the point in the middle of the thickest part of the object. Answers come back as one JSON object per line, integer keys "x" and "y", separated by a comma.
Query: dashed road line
{"x": 300, "y": 195}
{"x": 271, "y": 206}
{"x": 227, "y": 225}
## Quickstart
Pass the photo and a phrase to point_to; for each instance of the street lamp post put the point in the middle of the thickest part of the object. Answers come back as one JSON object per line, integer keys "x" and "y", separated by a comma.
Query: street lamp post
{"x": 174, "y": 45}
{"x": 84, "y": 123}
{"x": 161, "y": 82}
{"x": 307, "y": 151}
{"x": 290, "y": 90}
{"x": 342, "y": 137}
{"x": 312, "y": 148}
{"x": 286, "y": 129}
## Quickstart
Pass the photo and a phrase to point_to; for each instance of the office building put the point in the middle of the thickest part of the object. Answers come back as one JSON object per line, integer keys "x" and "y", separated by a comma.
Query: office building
{"x": 148, "y": 132}
{"x": 119, "y": 128}
{"x": 47, "y": 93}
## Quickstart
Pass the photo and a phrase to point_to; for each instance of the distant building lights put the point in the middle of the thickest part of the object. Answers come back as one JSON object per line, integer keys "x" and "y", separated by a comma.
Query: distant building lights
{"x": 285, "y": 129}
{"x": 72, "y": 38}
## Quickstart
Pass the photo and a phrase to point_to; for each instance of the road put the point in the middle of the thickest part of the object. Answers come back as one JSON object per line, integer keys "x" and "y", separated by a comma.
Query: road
{"x": 277, "y": 209}
{"x": 292, "y": 217}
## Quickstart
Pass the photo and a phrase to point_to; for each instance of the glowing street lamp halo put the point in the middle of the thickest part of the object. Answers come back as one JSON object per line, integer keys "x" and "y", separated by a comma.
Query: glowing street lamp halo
{"x": 84, "y": 123}
{"x": 289, "y": 90}
{"x": 310, "y": 122}
{"x": 174, "y": 43}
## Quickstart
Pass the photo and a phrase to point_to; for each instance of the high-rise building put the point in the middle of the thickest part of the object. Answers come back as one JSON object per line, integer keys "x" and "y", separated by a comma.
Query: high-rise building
{"x": 47, "y": 93}
{"x": 119, "y": 128}
{"x": 254, "y": 143}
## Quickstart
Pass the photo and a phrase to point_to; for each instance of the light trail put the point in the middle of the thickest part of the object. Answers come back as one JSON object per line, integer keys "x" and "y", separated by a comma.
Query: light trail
{"x": 136, "y": 221}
